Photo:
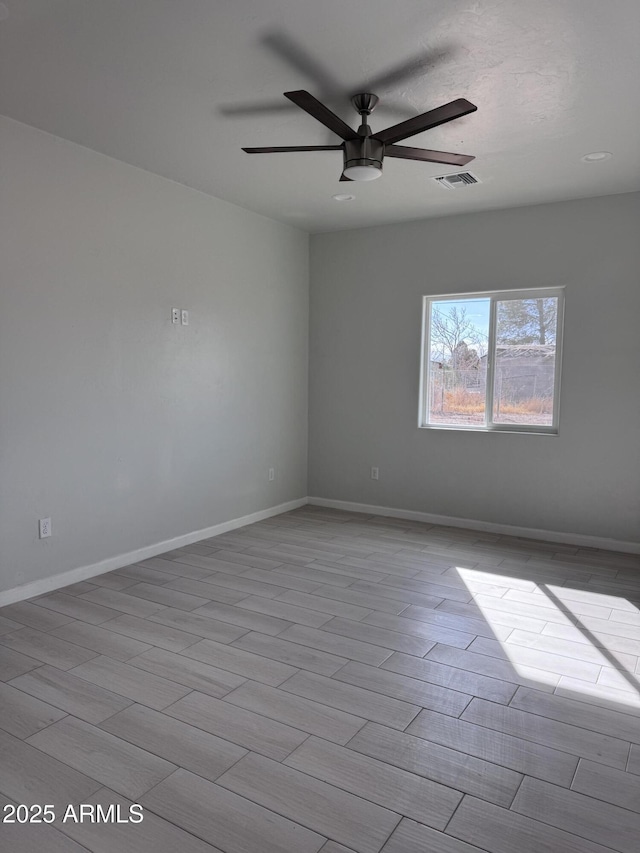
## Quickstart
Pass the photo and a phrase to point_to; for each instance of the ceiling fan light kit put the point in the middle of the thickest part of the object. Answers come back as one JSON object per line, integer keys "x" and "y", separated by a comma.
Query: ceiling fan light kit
{"x": 364, "y": 151}
{"x": 363, "y": 159}
{"x": 363, "y": 170}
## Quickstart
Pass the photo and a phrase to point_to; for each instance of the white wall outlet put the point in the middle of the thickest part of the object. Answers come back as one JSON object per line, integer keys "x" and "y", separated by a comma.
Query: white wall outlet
{"x": 44, "y": 526}
{"x": 375, "y": 473}
{"x": 175, "y": 315}
{"x": 272, "y": 474}
{"x": 184, "y": 317}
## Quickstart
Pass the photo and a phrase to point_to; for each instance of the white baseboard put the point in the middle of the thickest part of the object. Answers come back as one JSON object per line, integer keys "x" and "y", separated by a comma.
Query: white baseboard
{"x": 83, "y": 573}
{"x": 486, "y": 526}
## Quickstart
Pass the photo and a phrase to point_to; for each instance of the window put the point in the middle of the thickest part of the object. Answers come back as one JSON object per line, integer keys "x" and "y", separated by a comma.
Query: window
{"x": 491, "y": 361}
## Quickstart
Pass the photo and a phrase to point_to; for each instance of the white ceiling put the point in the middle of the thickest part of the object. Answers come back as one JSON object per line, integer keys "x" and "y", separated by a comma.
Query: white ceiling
{"x": 170, "y": 86}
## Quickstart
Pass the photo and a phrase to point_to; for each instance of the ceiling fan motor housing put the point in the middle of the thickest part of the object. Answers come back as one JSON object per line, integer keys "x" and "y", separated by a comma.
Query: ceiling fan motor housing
{"x": 364, "y": 151}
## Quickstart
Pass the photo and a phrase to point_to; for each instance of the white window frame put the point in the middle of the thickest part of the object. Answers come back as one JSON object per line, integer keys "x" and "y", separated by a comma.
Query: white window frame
{"x": 425, "y": 361}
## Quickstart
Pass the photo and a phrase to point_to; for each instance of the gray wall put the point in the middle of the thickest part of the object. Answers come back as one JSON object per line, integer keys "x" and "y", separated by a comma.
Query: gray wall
{"x": 364, "y": 368}
{"x": 124, "y": 429}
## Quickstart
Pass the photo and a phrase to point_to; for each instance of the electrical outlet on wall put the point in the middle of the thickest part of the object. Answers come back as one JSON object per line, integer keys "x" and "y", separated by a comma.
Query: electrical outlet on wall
{"x": 175, "y": 315}
{"x": 272, "y": 474}
{"x": 375, "y": 473}
{"x": 184, "y": 317}
{"x": 44, "y": 527}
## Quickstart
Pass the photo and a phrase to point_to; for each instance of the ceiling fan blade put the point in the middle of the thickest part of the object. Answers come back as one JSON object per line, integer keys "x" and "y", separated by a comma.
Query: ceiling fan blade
{"x": 255, "y": 108}
{"x": 286, "y": 148}
{"x": 404, "y": 152}
{"x": 425, "y": 121}
{"x": 283, "y": 44}
{"x": 411, "y": 68}
{"x": 321, "y": 113}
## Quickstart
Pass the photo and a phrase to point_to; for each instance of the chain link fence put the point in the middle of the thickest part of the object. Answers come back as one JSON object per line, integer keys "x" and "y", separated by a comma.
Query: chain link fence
{"x": 519, "y": 395}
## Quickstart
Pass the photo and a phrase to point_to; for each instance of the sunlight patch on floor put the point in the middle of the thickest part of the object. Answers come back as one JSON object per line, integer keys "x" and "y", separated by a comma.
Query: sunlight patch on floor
{"x": 581, "y": 643}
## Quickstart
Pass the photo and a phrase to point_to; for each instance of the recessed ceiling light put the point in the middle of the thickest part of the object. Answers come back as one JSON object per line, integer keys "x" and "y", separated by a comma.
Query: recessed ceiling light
{"x": 343, "y": 197}
{"x": 597, "y": 157}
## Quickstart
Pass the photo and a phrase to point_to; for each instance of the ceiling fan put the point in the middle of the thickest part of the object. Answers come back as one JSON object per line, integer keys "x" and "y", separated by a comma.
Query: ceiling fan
{"x": 364, "y": 151}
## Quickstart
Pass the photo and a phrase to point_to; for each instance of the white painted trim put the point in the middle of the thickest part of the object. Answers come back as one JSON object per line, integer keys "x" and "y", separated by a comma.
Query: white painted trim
{"x": 83, "y": 573}
{"x": 580, "y": 539}
{"x": 40, "y": 587}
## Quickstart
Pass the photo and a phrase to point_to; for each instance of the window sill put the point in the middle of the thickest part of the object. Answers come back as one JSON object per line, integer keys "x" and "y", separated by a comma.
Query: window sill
{"x": 524, "y": 429}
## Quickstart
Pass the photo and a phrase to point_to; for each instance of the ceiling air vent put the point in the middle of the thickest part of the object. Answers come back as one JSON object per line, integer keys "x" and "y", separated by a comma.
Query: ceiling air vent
{"x": 457, "y": 180}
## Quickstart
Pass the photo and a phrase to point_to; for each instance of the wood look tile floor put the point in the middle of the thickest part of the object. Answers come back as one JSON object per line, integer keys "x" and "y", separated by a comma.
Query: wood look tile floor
{"x": 335, "y": 682}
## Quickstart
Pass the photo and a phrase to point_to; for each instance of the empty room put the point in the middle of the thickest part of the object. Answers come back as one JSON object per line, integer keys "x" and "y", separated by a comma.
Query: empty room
{"x": 319, "y": 426}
